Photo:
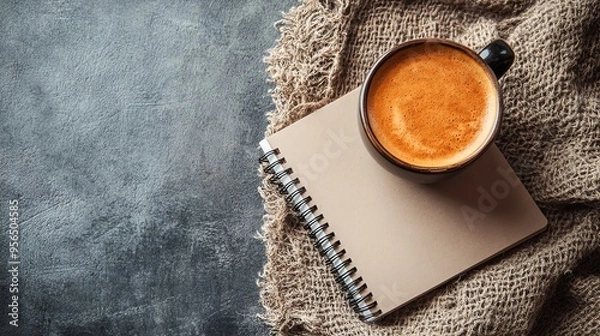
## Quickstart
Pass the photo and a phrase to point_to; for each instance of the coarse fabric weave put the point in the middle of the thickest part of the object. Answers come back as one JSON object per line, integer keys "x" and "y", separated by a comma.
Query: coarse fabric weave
{"x": 550, "y": 134}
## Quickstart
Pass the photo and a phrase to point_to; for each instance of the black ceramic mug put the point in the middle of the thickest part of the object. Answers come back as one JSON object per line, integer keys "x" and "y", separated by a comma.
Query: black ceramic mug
{"x": 430, "y": 107}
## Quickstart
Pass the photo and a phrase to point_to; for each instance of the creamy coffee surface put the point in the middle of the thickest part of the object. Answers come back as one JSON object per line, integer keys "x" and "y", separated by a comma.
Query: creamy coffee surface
{"x": 431, "y": 105}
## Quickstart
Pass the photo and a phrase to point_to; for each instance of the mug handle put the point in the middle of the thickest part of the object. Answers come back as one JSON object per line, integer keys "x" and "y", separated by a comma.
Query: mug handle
{"x": 499, "y": 56}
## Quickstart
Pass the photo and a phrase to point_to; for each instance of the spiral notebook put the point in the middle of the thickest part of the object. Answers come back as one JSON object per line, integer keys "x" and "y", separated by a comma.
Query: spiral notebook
{"x": 389, "y": 241}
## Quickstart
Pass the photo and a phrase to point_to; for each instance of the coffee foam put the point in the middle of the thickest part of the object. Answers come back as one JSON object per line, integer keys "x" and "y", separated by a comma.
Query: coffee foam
{"x": 432, "y": 105}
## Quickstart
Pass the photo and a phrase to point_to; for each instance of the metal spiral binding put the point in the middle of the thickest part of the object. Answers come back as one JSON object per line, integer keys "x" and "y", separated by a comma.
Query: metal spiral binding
{"x": 325, "y": 242}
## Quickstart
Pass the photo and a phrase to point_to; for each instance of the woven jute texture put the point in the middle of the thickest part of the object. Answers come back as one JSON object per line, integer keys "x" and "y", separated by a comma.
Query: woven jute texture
{"x": 550, "y": 135}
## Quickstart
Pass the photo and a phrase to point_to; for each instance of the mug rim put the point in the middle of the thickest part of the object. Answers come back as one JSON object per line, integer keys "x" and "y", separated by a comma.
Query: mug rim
{"x": 406, "y": 165}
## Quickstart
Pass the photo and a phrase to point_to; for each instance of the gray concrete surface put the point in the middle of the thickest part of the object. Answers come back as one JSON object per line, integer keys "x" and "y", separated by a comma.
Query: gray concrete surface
{"x": 128, "y": 136}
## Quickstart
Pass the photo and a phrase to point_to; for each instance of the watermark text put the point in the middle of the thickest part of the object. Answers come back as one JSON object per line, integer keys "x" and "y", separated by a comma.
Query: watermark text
{"x": 14, "y": 260}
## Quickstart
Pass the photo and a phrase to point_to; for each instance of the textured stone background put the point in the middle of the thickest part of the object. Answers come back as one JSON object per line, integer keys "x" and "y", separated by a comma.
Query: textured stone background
{"x": 128, "y": 134}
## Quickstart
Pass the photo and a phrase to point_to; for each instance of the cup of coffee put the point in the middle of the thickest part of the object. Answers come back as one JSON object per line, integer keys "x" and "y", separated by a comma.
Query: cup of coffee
{"x": 430, "y": 107}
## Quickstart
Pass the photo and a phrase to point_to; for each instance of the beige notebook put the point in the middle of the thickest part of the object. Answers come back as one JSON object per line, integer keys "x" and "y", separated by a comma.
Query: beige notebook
{"x": 388, "y": 240}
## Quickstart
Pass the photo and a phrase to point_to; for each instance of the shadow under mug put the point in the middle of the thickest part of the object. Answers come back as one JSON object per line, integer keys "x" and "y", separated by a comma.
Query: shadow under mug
{"x": 495, "y": 59}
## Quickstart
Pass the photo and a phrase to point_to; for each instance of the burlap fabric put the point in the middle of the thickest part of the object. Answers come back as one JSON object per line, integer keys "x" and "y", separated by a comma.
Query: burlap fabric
{"x": 550, "y": 135}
